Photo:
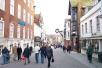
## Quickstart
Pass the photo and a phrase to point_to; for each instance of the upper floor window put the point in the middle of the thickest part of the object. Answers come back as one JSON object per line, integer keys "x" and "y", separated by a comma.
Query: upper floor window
{"x": 91, "y": 26}
{"x": 11, "y": 32}
{"x": 24, "y": 32}
{"x": 68, "y": 35}
{"x": 86, "y": 27}
{"x": 25, "y": 1}
{"x": 12, "y": 7}
{"x": 31, "y": 20}
{"x": 98, "y": 23}
{"x": 24, "y": 15}
{"x": 1, "y": 28}
{"x": 2, "y": 4}
{"x": 19, "y": 11}
{"x": 18, "y": 31}
{"x": 82, "y": 29}
{"x": 28, "y": 32}
{"x": 29, "y": 3}
{"x": 28, "y": 18}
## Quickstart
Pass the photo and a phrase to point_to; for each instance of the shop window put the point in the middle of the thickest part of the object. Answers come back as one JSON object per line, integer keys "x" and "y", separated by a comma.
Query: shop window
{"x": 1, "y": 47}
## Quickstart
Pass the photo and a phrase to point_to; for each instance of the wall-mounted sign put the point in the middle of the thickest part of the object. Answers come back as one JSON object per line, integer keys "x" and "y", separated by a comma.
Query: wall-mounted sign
{"x": 22, "y": 23}
{"x": 37, "y": 39}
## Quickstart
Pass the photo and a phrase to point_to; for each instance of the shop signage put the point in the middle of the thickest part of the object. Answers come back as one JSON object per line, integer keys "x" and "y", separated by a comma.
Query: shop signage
{"x": 22, "y": 23}
{"x": 37, "y": 39}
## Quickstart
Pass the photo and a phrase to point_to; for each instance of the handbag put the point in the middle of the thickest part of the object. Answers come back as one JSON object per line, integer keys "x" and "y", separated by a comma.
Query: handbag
{"x": 23, "y": 57}
{"x": 52, "y": 59}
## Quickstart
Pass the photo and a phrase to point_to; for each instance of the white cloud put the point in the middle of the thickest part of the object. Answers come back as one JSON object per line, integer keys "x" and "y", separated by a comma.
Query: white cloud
{"x": 54, "y": 12}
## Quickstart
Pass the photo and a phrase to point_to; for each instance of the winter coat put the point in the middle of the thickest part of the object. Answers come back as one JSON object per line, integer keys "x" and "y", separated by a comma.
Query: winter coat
{"x": 89, "y": 50}
{"x": 19, "y": 50}
{"x": 36, "y": 49}
{"x": 14, "y": 50}
{"x": 5, "y": 51}
{"x": 26, "y": 52}
{"x": 42, "y": 50}
{"x": 49, "y": 52}
{"x": 69, "y": 47}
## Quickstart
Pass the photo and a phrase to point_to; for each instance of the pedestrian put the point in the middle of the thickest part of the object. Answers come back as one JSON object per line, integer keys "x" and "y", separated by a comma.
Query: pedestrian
{"x": 36, "y": 50}
{"x": 89, "y": 53}
{"x": 19, "y": 51}
{"x": 49, "y": 54}
{"x": 14, "y": 51}
{"x": 4, "y": 55}
{"x": 42, "y": 51}
{"x": 31, "y": 49}
{"x": 69, "y": 49}
{"x": 45, "y": 46}
{"x": 26, "y": 54}
{"x": 64, "y": 48}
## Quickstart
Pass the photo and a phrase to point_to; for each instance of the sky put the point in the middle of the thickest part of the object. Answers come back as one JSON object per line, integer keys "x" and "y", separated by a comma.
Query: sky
{"x": 54, "y": 13}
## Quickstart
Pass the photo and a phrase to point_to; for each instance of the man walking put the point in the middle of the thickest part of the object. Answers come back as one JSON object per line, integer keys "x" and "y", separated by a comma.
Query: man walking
{"x": 14, "y": 51}
{"x": 89, "y": 53}
{"x": 69, "y": 49}
{"x": 26, "y": 54}
{"x": 36, "y": 50}
{"x": 42, "y": 50}
{"x": 19, "y": 51}
{"x": 4, "y": 55}
{"x": 49, "y": 54}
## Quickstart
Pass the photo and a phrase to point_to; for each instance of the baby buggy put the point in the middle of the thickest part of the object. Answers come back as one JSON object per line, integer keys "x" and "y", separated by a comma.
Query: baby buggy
{"x": 8, "y": 58}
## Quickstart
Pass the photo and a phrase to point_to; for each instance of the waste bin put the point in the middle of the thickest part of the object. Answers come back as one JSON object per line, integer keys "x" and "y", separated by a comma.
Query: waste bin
{"x": 100, "y": 57}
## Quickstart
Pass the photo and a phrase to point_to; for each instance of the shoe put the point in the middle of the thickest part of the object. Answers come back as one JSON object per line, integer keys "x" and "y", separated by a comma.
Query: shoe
{"x": 2, "y": 64}
{"x": 24, "y": 63}
{"x": 29, "y": 62}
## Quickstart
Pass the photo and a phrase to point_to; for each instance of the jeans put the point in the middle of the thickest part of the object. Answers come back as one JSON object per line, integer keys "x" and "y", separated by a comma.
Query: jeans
{"x": 42, "y": 58}
{"x": 69, "y": 51}
{"x": 4, "y": 58}
{"x": 37, "y": 57}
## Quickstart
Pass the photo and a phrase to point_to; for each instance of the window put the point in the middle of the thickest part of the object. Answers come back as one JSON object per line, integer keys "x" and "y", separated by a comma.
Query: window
{"x": 2, "y": 4}
{"x": 28, "y": 32}
{"x": 28, "y": 18}
{"x": 91, "y": 26}
{"x": 29, "y": 3}
{"x": 12, "y": 7}
{"x": 31, "y": 34}
{"x": 82, "y": 29}
{"x": 32, "y": 6}
{"x": 1, "y": 28}
{"x": 86, "y": 27}
{"x": 68, "y": 24}
{"x": 19, "y": 11}
{"x": 24, "y": 32}
{"x": 98, "y": 23}
{"x": 31, "y": 20}
{"x": 68, "y": 34}
{"x": 24, "y": 15}
{"x": 11, "y": 30}
{"x": 25, "y": 1}
{"x": 18, "y": 31}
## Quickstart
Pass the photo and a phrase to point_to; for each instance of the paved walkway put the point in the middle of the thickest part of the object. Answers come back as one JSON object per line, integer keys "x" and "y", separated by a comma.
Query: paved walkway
{"x": 62, "y": 60}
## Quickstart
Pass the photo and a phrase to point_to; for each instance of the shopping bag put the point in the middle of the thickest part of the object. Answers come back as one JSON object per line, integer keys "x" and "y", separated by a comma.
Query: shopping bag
{"x": 23, "y": 57}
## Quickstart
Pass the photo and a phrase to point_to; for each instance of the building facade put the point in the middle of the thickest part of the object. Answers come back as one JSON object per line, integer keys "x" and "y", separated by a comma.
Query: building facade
{"x": 67, "y": 32}
{"x": 16, "y": 23}
{"x": 91, "y": 30}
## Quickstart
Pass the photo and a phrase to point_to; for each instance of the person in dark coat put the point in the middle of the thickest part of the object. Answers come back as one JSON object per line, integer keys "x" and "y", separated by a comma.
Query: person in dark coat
{"x": 31, "y": 49}
{"x": 89, "y": 53}
{"x": 42, "y": 50}
{"x": 49, "y": 54}
{"x": 26, "y": 54}
{"x": 69, "y": 49}
{"x": 4, "y": 55}
{"x": 19, "y": 51}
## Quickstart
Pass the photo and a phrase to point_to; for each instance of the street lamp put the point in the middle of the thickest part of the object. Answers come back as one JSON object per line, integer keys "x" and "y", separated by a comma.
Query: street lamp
{"x": 57, "y": 31}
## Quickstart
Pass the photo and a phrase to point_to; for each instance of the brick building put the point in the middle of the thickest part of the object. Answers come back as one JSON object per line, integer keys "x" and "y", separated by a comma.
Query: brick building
{"x": 16, "y": 23}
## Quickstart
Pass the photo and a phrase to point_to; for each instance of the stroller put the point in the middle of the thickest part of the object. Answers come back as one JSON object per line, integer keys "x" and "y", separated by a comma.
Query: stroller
{"x": 8, "y": 58}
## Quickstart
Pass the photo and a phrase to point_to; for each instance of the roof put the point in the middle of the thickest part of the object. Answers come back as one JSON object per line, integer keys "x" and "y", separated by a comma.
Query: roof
{"x": 85, "y": 2}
